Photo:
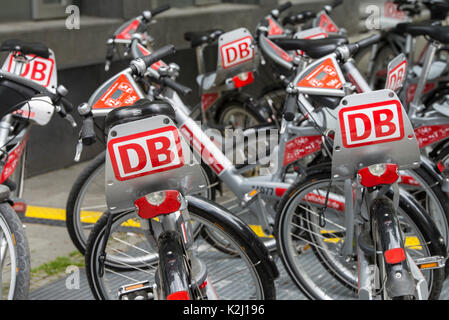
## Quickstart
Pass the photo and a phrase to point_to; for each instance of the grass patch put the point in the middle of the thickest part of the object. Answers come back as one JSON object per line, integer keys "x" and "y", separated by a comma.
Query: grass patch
{"x": 59, "y": 265}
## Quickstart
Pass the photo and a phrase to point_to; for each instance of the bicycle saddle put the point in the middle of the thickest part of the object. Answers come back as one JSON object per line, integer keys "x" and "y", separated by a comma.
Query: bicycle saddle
{"x": 36, "y": 48}
{"x": 438, "y": 9}
{"x": 438, "y": 33}
{"x": 314, "y": 48}
{"x": 326, "y": 101}
{"x": 198, "y": 38}
{"x": 142, "y": 109}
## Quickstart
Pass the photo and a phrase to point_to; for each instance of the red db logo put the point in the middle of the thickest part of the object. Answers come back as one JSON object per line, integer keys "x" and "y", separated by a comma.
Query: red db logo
{"x": 37, "y": 69}
{"x": 396, "y": 76}
{"x": 236, "y": 52}
{"x": 146, "y": 153}
{"x": 371, "y": 124}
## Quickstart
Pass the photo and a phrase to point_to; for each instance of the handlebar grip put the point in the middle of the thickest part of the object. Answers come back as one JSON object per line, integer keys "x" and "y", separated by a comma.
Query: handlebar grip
{"x": 110, "y": 52}
{"x": 179, "y": 88}
{"x": 88, "y": 136}
{"x": 159, "y": 54}
{"x": 290, "y": 107}
{"x": 364, "y": 43}
{"x": 336, "y": 3}
{"x": 301, "y": 17}
{"x": 68, "y": 106}
{"x": 284, "y": 6}
{"x": 159, "y": 10}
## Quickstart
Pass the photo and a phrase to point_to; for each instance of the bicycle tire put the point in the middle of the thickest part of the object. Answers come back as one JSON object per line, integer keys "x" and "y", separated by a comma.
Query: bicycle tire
{"x": 72, "y": 217}
{"x": 236, "y": 106}
{"x": 299, "y": 277}
{"x": 228, "y": 225}
{"x": 18, "y": 241}
{"x": 79, "y": 189}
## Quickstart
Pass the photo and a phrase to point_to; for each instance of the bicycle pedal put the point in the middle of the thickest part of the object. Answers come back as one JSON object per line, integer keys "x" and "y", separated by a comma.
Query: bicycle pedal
{"x": 429, "y": 263}
{"x": 136, "y": 291}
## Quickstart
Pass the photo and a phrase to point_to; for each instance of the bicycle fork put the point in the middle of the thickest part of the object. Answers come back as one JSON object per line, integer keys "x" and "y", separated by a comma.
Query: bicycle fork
{"x": 180, "y": 274}
{"x": 379, "y": 244}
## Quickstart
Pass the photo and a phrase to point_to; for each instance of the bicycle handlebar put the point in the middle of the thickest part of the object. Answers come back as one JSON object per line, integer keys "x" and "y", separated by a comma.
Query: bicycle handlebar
{"x": 179, "y": 88}
{"x": 87, "y": 134}
{"x": 336, "y": 3}
{"x": 159, "y": 54}
{"x": 276, "y": 12}
{"x": 290, "y": 107}
{"x": 301, "y": 17}
{"x": 362, "y": 44}
{"x": 147, "y": 61}
{"x": 160, "y": 9}
{"x": 306, "y": 15}
{"x": 284, "y": 6}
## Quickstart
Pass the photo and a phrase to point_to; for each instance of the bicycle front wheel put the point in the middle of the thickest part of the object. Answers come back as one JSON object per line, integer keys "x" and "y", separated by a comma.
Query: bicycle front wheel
{"x": 241, "y": 276}
{"x": 310, "y": 250}
{"x": 87, "y": 200}
{"x": 14, "y": 256}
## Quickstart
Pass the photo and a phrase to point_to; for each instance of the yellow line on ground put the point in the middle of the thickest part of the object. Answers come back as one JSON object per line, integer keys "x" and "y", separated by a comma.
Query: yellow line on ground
{"x": 47, "y": 213}
{"x": 59, "y": 214}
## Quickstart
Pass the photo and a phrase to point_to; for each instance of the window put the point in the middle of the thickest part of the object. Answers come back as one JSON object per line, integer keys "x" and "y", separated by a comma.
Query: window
{"x": 47, "y": 9}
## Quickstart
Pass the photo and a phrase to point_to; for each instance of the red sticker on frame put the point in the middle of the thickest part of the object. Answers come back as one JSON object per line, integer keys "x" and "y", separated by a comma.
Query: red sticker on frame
{"x": 323, "y": 76}
{"x": 129, "y": 30}
{"x": 121, "y": 93}
{"x": 326, "y": 23}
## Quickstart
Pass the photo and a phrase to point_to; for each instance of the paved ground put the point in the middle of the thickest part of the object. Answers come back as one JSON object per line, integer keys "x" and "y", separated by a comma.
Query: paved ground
{"x": 48, "y": 242}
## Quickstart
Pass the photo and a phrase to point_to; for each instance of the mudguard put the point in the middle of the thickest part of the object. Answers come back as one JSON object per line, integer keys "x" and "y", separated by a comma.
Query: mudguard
{"x": 405, "y": 200}
{"x": 390, "y": 239}
{"x": 430, "y": 167}
{"x": 423, "y": 219}
{"x": 232, "y": 224}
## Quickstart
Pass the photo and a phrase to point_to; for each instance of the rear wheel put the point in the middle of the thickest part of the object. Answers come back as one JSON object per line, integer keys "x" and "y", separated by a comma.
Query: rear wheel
{"x": 235, "y": 115}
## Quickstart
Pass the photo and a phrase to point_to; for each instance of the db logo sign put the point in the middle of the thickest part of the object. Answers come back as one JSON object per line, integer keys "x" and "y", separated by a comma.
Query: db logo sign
{"x": 391, "y": 11}
{"x": 396, "y": 75}
{"x": 371, "y": 124}
{"x": 146, "y": 153}
{"x": 37, "y": 69}
{"x": 236, "y": 52}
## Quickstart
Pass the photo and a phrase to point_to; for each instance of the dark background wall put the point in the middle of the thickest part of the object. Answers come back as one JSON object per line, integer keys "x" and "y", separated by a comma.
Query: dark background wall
{"x": 80, "y": 53}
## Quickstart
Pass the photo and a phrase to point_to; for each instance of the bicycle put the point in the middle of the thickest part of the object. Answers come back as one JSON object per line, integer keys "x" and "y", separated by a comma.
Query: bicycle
{"x": 24, "y": 102}
{"x": 342, "y": 232}
{"x": 259, "y": 195}
{"x": 220, "y": 90}
{"x": 160, "y": 197}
